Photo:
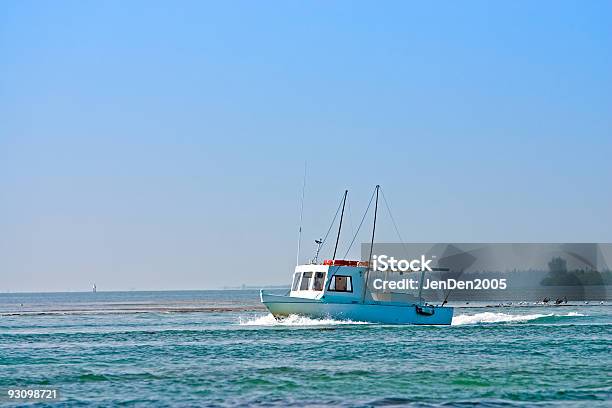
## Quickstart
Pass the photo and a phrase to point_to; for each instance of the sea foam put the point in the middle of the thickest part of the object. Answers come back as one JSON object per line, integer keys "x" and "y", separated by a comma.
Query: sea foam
{"x": 463, "y": 319}
{"x": 490, "y": 317}
{"x": 293, "y": 320}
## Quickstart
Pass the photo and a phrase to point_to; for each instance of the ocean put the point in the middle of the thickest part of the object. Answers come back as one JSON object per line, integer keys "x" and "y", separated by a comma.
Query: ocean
{"x": 221, "y": 348}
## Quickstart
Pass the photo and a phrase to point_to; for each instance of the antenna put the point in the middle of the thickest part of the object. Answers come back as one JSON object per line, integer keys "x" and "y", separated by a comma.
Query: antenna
{"x": 297, "y": 257}
{"x": 319, "y": 242}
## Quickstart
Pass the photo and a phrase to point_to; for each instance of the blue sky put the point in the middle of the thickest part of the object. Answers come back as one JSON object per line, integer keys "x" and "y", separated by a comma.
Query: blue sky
{"x": 160, "y": 145}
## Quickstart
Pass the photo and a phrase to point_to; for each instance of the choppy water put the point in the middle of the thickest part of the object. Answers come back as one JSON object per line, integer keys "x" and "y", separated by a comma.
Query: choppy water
{"x": 219, "y": 348}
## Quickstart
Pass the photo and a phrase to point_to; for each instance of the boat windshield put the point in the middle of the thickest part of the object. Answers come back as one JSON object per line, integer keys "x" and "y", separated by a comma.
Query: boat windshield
{"x": 306, "y": 278}
{"x": 296, "y": 281}
{"x": 319, "y": 281}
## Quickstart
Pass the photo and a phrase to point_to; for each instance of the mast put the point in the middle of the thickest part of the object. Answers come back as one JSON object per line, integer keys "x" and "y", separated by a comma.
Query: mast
{"x": 340, "y": 226}
{"x": 367, "y": 274}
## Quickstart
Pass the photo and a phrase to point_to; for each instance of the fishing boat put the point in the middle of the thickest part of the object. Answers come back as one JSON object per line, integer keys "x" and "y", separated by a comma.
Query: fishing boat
{"x": 338, "y": 289}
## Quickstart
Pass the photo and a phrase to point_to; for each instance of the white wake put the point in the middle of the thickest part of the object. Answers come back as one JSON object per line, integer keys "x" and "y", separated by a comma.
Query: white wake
{"x": 490, "y": 317}
{"x": 463, "y": 319}
{"x": 293, "y": 320}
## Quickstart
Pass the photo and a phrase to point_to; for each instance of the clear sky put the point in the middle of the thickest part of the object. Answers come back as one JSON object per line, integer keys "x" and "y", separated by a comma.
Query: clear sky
{"x": 161, "y": 145}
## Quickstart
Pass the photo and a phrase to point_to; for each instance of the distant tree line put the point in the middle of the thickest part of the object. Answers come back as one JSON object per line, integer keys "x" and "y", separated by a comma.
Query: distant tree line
{"x": 558, "y": 275}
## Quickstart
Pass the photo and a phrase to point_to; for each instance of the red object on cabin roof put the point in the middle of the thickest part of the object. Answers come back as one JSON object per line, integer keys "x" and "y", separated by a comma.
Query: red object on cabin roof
{"x": 340, "y": 262}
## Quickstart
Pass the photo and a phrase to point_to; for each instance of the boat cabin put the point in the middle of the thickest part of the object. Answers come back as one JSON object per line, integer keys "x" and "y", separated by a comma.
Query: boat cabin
{"x": 335, "y": 279}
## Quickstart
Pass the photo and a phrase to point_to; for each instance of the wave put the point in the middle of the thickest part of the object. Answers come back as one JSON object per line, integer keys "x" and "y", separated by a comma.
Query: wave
{"x": 294, "y": 320}
{"x": 573, "y": 314}
{"x": 490, "y": 317}
{"x": 478, "y": 318}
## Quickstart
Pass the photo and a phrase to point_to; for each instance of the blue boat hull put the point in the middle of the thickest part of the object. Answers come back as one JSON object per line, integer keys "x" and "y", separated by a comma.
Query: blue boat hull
{"x": 282, "y": 306}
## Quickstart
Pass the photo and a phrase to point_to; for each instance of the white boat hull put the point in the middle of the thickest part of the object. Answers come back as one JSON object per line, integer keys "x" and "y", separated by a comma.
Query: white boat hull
{"x": 282, "y": 306}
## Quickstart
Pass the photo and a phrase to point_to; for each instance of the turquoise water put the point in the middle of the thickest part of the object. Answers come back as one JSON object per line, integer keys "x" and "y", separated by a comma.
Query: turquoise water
{"x": 219, "y": 348}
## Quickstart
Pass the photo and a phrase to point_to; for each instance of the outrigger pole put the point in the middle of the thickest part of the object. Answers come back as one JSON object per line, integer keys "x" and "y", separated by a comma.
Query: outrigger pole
{"x": 421, "y": 287}
{"x": 297, "y": 256}
{"x": 367, "y": 274}
{"x": 340, "y": 226}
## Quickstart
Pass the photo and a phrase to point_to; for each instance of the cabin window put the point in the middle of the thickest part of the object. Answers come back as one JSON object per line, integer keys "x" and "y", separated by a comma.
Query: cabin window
{"x": 306, "y": 278}
{"x": 319, "y": 281}
{"x": 341, "y": 283}
{"x": 296, "y": 281}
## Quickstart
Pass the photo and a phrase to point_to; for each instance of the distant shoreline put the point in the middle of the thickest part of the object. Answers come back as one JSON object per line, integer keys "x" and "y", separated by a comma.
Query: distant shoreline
{"x": 237, "y": 288}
